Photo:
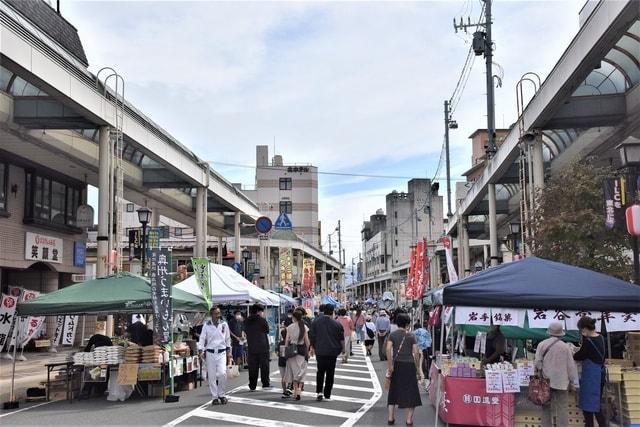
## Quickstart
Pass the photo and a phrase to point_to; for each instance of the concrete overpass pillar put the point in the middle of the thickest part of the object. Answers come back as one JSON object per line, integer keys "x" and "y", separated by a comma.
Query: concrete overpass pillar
{"x": 103, "y": 202}
{"x": 538, "y": 163}
{"x": 466, "y": 250}
{"x": 323, "y": 278}
{"x": 493, "y": 224}
{"x": 237, "y": 251}
{"x": 220, "y": 248}
{"x": 155, "y": 218}
{"x": 201, "y": 215}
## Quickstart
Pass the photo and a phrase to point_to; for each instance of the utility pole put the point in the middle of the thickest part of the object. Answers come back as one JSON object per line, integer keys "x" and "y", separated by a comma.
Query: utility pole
{"x": 483, "y": 45}
{"x": 330, "y": 247}
{"x": 446, "y": 148}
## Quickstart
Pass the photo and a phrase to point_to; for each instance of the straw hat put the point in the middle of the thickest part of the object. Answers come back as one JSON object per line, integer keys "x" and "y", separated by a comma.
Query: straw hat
{"x": 555, "y": 329}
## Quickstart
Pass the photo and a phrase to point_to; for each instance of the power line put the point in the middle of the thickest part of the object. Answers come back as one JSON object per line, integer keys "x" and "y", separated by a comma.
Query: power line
{"x": 358, "y": 175}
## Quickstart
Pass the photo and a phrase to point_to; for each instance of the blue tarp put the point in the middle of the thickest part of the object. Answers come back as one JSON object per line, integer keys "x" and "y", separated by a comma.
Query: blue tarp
{"x": 326, "y": 299}
{"x": 539, "y": 283}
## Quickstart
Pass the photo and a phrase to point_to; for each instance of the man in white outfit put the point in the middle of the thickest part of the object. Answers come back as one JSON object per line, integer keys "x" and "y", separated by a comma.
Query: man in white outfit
{"x": 215, "y": 346}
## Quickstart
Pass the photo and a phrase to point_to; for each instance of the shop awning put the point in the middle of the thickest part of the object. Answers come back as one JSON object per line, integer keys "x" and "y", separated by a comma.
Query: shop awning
{"x": 539, "y": 283}
{"x": 119, "y": 293}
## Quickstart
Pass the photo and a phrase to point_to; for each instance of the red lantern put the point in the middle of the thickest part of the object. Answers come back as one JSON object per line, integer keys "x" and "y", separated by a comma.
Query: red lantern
{"x": 633, "y": 220}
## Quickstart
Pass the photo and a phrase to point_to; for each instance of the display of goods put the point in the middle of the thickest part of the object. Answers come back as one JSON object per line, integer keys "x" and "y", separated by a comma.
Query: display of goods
{"x": 133, "y": 354}
{"x": 152, "y": 354}
{"x": 631, "y": 395}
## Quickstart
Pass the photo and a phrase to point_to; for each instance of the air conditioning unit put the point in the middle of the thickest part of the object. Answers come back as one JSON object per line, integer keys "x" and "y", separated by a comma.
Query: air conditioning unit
{"x": 78, "y": 278}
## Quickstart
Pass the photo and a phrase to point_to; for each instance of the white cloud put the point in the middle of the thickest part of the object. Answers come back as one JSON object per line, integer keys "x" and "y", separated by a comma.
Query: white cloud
{"x": 337, "y": 84}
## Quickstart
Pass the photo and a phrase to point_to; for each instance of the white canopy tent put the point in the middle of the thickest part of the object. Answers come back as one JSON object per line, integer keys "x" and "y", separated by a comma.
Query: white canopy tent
{"x": 227, "y": 287}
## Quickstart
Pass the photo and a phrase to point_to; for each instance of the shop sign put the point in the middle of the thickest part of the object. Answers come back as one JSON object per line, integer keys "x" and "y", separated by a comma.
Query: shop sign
{"x": 309, "y": 275}
{"x": 286, "y": 267}
{"x": 473, "y": 316}
{"x": 39, "y": 247}
{"x": 84, "y": 216}
{"x": 79, "y": 253}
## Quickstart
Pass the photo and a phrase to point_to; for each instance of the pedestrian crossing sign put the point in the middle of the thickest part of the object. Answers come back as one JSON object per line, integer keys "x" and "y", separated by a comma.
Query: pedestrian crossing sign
{"x": 283, "y": 222}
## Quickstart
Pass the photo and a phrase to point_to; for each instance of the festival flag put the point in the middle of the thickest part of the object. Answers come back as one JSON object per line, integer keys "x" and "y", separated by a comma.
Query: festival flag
{"x": 453, "y": 276}
{"x": 201, "y": 270}
{"x": 409, "y": 288}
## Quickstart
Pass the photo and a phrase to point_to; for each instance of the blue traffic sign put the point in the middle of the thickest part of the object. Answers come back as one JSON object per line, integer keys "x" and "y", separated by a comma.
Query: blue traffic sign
{"x": 237, "y": 267}
{"x": 263, "y": 225}
{"x": 283, "y": 222}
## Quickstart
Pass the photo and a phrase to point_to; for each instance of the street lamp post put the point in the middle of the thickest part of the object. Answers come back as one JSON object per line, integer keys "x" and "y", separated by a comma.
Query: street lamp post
{"x": 246, "y": 255}
{"x": 514, "y": 227}
{"x": 629, "y": 151}
{"x": 144, "y": 214}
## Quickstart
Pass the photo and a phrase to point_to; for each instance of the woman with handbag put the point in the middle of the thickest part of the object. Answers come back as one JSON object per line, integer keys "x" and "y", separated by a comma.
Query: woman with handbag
{"x": 403, "y": 359}
{"x": 592, "y": 354}
{"x": 296, "y": 351}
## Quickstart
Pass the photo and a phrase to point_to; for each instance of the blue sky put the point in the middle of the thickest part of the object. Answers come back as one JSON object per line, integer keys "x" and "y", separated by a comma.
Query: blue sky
{"x": 353, "y": 87}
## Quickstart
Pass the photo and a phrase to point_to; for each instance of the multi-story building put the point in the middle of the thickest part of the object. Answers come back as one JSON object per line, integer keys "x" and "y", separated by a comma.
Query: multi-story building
{"x": 387, "y": 239}
{"x": 292, "y": 188}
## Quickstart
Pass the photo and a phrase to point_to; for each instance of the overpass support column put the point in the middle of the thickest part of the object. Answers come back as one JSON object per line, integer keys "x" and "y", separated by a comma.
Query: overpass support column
{"x": 466, "y": 250}
{"x": 219, "y": 255}
{"x": 538, "y": 163}
{"x": 103, "y": 202}
{"x": 201, "y": 218}
{"x": 493, "y": 224}
{"x": 155, "y": 218}
{"x": 323, "y": 278}
{"x": 237, "y": 252}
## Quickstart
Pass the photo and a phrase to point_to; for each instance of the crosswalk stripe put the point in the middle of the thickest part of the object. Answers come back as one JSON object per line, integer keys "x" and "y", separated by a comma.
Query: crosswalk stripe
{"x": 311, "y": 394}
{"x": 346, "y": 387}
{"x": 242, "y": 419}
{"x": 358, "y": 371}
{"x": 339, "y": 377}
{"x": 291, "y": 407}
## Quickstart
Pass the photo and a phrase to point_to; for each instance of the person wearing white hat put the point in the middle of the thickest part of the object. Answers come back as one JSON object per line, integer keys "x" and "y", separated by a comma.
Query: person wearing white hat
{"x": 555, "y": 359}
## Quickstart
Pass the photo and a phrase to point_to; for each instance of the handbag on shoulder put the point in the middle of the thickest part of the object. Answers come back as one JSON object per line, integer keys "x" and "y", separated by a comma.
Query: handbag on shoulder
{"x": 540, "y": 387}
{"x": 291, "y": 350}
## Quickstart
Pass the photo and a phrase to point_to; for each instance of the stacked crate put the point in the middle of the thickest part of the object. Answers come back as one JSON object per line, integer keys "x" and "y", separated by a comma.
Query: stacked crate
{"x": 631, "y": 397}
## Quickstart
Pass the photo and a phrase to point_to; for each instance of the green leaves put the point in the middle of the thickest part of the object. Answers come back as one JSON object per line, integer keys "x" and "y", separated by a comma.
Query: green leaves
{"x": 568, "y": 223}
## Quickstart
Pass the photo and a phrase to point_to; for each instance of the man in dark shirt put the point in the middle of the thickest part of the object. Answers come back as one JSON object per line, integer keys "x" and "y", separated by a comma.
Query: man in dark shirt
{"x": 236, "y": 331}
{"x": 327, "y": 342}
{"x": 257, "y": 331}
{"x": 495, "y": 347}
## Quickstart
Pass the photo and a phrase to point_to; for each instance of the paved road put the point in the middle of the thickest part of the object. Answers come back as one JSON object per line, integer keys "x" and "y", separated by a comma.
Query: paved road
{"x": 357, "y": 400}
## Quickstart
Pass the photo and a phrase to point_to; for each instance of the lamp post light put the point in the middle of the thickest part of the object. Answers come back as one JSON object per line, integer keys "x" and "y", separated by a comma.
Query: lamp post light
{"x": 144, "y": 215}
{"x": 629, "y": 151}
{"x": 246, "y": 255}
{"x": 514, "y": 227}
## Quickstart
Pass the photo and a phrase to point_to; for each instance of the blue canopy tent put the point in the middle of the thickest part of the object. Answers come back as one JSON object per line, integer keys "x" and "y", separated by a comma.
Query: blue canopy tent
{"x": 539, "y": 283}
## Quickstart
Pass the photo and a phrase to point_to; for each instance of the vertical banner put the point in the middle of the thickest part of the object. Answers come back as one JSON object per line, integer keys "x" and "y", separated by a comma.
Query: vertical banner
{"x": 32, "y": 324}
{"x": 57, "y": 336}
{"x": 453, "y": 276}
{"x": 422, "y": 275}
{"x": 308, "y": 277}
{"x": 286, "y": 267}
{"x": 7, "y": 316}
{"x": 614, "y": 202}
{"x": 160, "y": 295}
{"x": 408, "y": 289}
{"x": 135, "y": 243}
{"x": 202, "y": 273}
{"x": 15, "y": 292}
{"x": 70, "y": 328}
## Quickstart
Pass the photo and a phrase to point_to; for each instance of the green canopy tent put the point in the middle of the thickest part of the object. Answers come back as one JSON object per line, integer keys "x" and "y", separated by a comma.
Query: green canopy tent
{"x": 120, "y": 293}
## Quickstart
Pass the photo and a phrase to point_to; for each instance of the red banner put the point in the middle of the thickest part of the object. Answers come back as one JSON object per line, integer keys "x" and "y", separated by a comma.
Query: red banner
{"x": 409, "y": 288}
{"x": 421, "y": 262}
{"x": 308, "y": 277}
{"x": 464, "y": 401}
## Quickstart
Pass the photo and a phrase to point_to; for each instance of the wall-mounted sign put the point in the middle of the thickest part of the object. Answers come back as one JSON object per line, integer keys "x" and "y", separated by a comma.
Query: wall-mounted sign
{"x": 79, "y": 253}
{"x": 39, "y": 247}
{"x": 84, "y": 216}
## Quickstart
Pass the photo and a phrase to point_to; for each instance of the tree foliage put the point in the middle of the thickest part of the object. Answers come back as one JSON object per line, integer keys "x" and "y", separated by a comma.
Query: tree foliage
{"x": 568, "y": 224}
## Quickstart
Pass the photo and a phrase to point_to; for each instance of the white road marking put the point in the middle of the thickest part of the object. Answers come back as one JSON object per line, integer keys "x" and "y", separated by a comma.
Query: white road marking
{"x": 333, "y": 396}
{"x": 357, "y": 371}
{"x": 291, "y": 407}
{"x": 353, "y": 417}
{"x": 26, "y": 409}
{"x": 340, "y": 377}
{"x": 242, "y": 419}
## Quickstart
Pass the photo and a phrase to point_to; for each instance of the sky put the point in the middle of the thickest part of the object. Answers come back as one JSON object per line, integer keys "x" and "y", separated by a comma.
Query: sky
{"x": 350, "y": 87}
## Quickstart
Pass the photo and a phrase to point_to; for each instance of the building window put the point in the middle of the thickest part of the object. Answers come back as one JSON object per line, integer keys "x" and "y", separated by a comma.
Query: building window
{"x": 51, "y": 202}
{"x": 286, "y": 184}
{"x": 178, "y": 232}
{"x": 130, "y": 207}
{"x": 4, "y": 183}
{"x": 286, "y": 207}
{"x": 395, "y": 214}
{"x": 164, "y": 232}
{"x": 396, "y": 243}
{"x": 396, "y": 230}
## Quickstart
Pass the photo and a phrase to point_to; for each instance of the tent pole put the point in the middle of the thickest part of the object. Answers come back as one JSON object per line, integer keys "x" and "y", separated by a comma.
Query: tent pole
{"x": 13, "y": 372}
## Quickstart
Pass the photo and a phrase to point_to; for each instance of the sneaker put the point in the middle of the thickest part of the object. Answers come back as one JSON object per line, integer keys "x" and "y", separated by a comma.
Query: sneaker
{"x": 319, "y": 397}
{"x": 215, "y": 402}
{"x": 267, "y": 387}
{"x": 327, "y": 398}
{"x": 287, "y": 393}
{"x": 223, "y": 400}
